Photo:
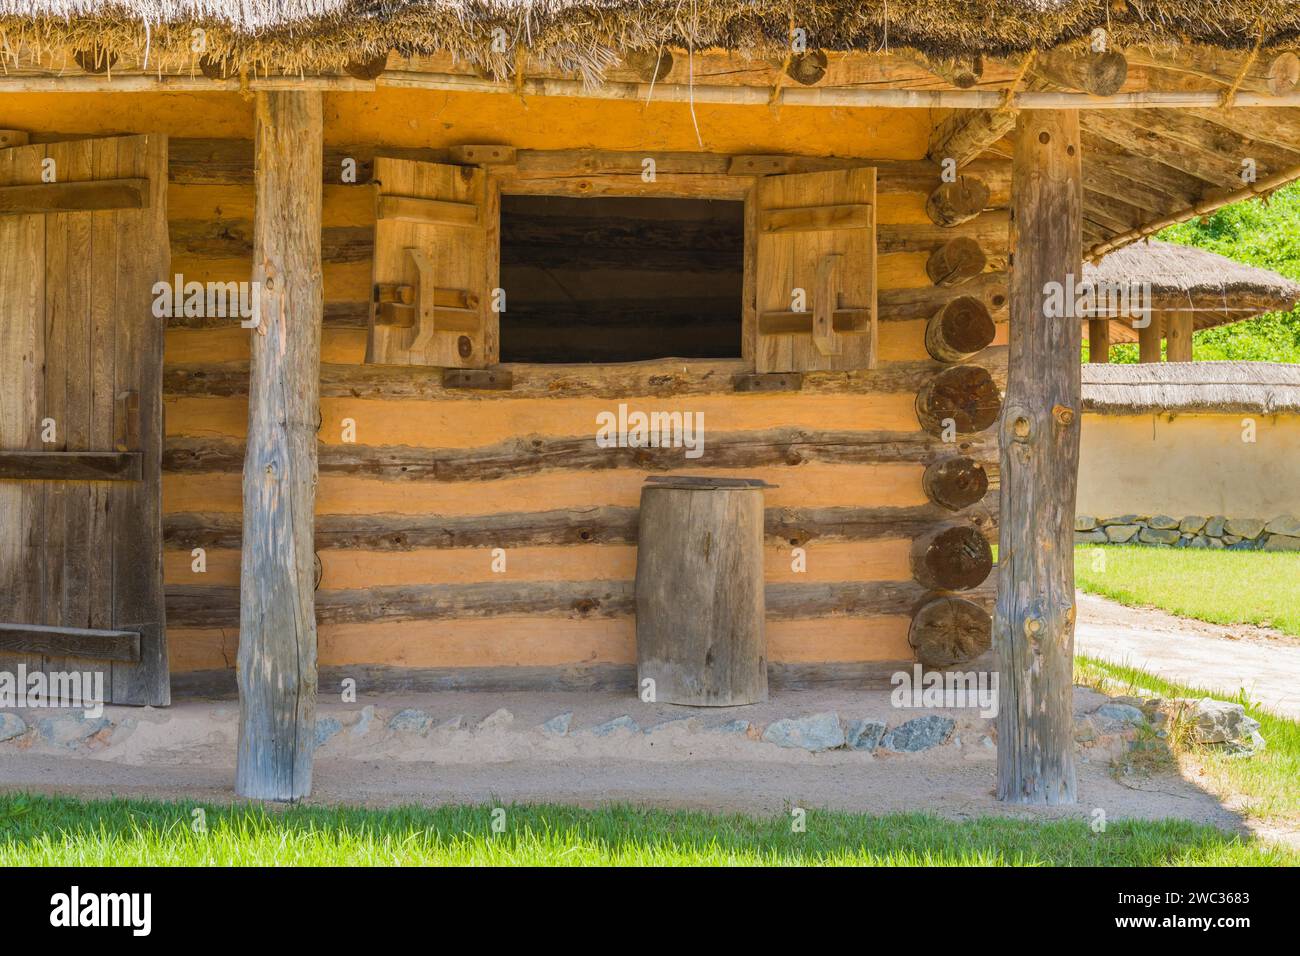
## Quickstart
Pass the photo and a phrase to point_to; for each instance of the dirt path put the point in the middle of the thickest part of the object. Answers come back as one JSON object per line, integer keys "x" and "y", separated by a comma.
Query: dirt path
{"x": 1264, "y": 662}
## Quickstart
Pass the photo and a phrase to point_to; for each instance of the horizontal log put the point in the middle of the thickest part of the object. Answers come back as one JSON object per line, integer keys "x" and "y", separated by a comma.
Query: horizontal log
{"x": 954, "y": 203}
{"x": 952, "y": 558}
{"x": 955, "y": 482}
{"x": 219, "y": 684}
{"x": 597, "y": 525}
{"x": 75, "y": 197}
{"x": 71, "y": 465}
{"x": 950, "y": 631}
{"x": 657, "y": 378}
{"x": 211, "y": 607}
{"x": 89, "y": 643}
{"x": 527, "y": 455}
{"x": 965, "y": 395}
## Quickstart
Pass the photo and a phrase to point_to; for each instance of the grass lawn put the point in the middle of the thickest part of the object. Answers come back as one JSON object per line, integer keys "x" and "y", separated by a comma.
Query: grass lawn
{"x": 1264, "y": 787}
{"x": 38, "y": 830}
{"x": 1222, "y": 587}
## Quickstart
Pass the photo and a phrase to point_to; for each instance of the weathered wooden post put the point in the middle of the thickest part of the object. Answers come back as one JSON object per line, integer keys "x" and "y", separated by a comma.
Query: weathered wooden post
{"x": 277, "y": 623}
{"x": 1034, "y": 626}
{"x": 1178, "y": 336}
{"x": 1149, "y": 339}
{"x": 1099, "y": 340}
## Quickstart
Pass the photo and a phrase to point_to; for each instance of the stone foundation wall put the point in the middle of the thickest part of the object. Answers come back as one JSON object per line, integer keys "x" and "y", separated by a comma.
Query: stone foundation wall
{"x": 1191, "y": 531}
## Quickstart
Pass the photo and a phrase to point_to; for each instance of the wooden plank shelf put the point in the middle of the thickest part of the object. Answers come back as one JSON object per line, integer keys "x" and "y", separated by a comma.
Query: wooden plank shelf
{"x": 71, "y": 465}
{"x": 90, "y": 643}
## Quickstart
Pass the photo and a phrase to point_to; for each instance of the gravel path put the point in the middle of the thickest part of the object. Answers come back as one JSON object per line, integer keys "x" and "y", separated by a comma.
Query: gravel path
{"x": 1264, "y": 662}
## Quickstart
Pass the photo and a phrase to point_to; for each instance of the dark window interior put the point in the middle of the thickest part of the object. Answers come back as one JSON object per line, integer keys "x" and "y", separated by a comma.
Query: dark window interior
{"x": 620, "y": 279}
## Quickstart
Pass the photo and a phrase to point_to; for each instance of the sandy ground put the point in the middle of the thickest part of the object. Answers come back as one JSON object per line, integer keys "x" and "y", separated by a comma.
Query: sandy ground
{"x": 1264, "y": 662}
{"x": 187, "y": 751}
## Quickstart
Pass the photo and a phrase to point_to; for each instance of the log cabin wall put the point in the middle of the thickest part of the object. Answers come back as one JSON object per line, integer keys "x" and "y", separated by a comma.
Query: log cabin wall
{"x": 410, "y": 512}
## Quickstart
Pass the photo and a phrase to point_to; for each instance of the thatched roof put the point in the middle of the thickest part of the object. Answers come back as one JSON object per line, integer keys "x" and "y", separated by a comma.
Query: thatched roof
{"x": 1260, "y": 388}
{"x": 582, "y": 34}
{"x": 1215, "y": 289}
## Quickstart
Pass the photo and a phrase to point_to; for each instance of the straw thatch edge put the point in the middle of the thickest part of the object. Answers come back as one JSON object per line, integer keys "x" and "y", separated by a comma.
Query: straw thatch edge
{"x": 1260, "y": 388}
{"x": 587, "y": 36}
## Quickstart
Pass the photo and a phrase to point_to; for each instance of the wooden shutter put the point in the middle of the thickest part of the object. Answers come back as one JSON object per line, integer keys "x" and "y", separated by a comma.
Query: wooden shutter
{"x": 80, "y": 520}
{"x": 431, "y": 297}
{"x": 815, "y": 255}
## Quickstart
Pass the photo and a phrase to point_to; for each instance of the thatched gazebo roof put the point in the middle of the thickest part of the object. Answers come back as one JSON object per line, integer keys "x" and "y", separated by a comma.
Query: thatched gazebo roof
{"x": 588, "y": 34}
{"x": 1215, "y": 289}
{"x": 1256, "y": 388}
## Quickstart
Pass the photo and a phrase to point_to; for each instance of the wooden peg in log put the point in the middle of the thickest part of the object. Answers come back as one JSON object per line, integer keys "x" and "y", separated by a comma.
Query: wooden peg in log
{"x": 949, "y": 631}
{"x": 957, "y": 202}
{"x": 652, "y": 66}
{"x": 1283, "y": 73}
{"x": 367, "y": 69}
{"x": 955, "y": 483}
{"x": 964, "y": 394}
{"x": 808, "y": 68}
{"x": 959, "y": 329}
{"x": 952, "y": 558}
{"x": 13, "y": 137}
{"x": 956, "y": 261}
{"x": 1101, "y": 74}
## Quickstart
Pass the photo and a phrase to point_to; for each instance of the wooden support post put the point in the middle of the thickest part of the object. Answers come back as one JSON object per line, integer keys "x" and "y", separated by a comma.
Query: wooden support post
{"x": 1178, "y": 336}
{"x": 1149, "y": 340}
{"x": 1033, "y": 631}
{"x": 1099, "y": 340}
{"x": 277, "y": 624}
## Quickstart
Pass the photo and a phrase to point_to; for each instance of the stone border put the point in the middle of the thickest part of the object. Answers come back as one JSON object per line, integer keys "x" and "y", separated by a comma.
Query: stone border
{"x": 1215, "y": 532}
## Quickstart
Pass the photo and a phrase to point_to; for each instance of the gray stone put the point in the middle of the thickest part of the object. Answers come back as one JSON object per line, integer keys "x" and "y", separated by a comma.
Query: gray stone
{"x": 1121, "y": 533}
{"x": 326, "y": 727}
{"x": 865, "y": 734}
{"x": 411, "y": 720}
{"x": 732, "y": 727}
{"x": 499, "y": 719}
{"x": 1192, "y": 524}
{"x": 613, "y": 726}
{"x": 1118, "y": 713}
{"x": 1085, "y": 731}
{"x": 68, "y": 730}
{"x": 1084, "y": 522}
{"x": 559, "y": 724}
{"x": 11, "y": 726}
{"x": 1216, "y": 544}
{"x": 1230, "y": 539}
{"x": 1214, "y": 526}
{"x": 1200, "y": 541}
{"x": 1245, "y": 527}
{"x": 919, "y": 733}
{"x": 362, "y": 726}
{"x": 1221, "y": 722}
{"x": 815, "y": 733}
{"x": 1157, "y": 536}
{"x": 1244, "y": 546}
{"x": 1282, "y": 542}
{"x": 454, "y": 723}
{"x": 1288, "y": 525}
{"x": 1122, "y": 519}
{"x": 687, "y": 723}
{"x": 1090, "y": 537}
{"x": 1162, "y": 522}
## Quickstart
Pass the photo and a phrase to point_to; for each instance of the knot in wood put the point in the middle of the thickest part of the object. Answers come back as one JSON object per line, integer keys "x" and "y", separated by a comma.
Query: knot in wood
{"x": 1064, "y": 415}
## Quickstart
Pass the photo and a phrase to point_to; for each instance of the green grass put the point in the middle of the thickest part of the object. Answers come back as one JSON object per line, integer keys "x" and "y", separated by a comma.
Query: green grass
{"x": 40, "y": 830}
{"x": 1269, "y": 782}
{"x": 1222, "y": 587}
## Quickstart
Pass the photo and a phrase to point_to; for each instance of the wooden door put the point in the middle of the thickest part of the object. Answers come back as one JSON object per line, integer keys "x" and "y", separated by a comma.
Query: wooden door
{"x": 81, "y": 411}
{"x": 815, "y": 256}
{"x": 434, "y": 273}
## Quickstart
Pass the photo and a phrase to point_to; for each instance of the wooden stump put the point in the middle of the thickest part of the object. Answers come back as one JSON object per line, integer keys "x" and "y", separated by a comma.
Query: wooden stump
{"x": 952, "y": 558}
{"x": 956, "y": 261}
{"x": 699, "y": 592}
{"x": 957, "y": 202}
{"x": 949, "y": 631}
{"x": 956, "y": 482}
{"x": 958, "y": 330}
{"x": 277, "y": 623}
{"x": 966, "y": 395}
{"x": 1033, "y": 629}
